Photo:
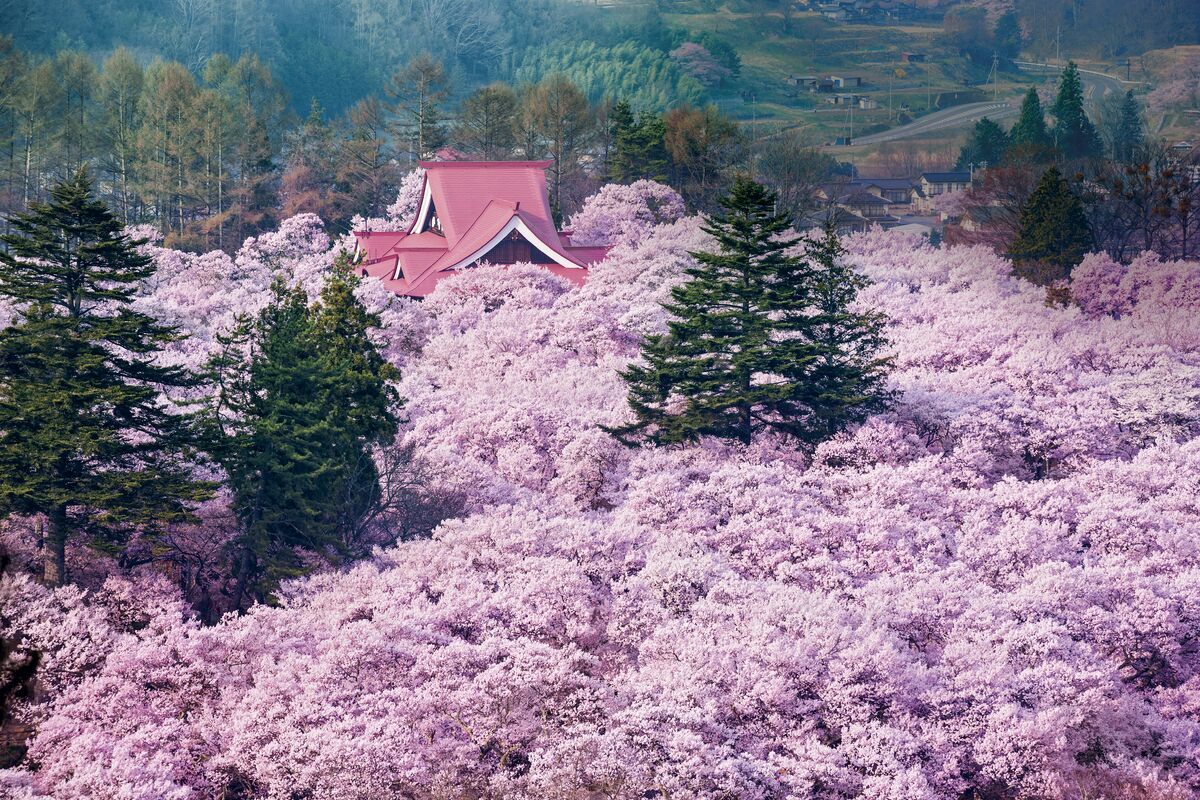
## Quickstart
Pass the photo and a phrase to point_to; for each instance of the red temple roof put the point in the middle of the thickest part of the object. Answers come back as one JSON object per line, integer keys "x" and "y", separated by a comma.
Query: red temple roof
{"x": 474, "y": 211}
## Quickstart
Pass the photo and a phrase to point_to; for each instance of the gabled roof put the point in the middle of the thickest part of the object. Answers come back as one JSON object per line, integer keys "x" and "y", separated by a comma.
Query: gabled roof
{"x": 468, "y": 208}
{"x": 887, "y": 183}
{"x": 862, "y": 198}
{"x": 946, "y": 177}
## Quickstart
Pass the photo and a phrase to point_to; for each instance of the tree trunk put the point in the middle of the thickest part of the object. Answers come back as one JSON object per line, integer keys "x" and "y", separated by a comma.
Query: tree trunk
{"x": 54, "y": 563}
{"x": 245, "y": 571}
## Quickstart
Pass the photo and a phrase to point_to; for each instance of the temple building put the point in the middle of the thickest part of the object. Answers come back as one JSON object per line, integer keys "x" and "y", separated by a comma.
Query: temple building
{"x": 473, "y": 212}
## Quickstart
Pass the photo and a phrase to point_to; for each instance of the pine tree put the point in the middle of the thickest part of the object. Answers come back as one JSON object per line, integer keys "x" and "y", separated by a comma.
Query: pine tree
{"x": 1054, "y": 232}
{"x": 295, "y": 428}
{"x": 85, "y": 437}
{"x": 639, "y": 149}
{"x": 1029, "y": 133}
{"x": 1129, "y": 136}
{"x": 848, "y": 377}
{"x": 986, "y": 147}
{"x": 759, "y": 340}
{"x": 622, "y": 125}
{"x": 1074, "y": 134}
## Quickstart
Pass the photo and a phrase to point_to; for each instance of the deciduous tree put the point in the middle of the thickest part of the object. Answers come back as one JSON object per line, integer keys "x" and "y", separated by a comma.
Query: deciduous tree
{"x": 418, "y": 91}
{"x": 486, "y": 122}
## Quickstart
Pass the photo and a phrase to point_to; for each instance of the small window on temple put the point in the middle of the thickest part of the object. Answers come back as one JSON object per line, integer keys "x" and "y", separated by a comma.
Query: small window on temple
{"x": 432, "y": 223}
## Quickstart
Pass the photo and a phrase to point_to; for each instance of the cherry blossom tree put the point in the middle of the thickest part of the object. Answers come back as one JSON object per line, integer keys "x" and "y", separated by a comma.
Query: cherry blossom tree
{"x": 989, "y": 590}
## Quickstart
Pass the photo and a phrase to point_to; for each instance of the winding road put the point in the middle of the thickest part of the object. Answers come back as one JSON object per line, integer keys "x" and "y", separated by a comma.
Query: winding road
{"x": 955, "y": 117}
{"x": 1096, "y": 86}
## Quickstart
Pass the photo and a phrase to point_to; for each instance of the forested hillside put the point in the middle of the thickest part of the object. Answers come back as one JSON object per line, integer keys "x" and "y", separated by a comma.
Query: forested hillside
{"x": 337, "y": 51}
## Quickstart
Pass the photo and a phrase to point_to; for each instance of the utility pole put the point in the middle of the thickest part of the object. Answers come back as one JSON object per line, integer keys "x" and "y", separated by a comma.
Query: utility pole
{"x": 995, "y": 76}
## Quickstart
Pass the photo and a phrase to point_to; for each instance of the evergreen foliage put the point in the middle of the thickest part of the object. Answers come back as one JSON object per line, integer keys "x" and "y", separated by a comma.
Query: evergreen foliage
{"x": 760, "y": 340}
{"x": 638, "y": 146}
{"x": 647, "y": 78}
{"x": 295, "y": 426}
{"x": 1074, "y": 134}
{"x": 987, "y": 146}
{"x": 1029, "y": 132}
{"x": 1129, "y": 137}
{"x": 86, "y": 438}
{"x": 1054, "y": 232}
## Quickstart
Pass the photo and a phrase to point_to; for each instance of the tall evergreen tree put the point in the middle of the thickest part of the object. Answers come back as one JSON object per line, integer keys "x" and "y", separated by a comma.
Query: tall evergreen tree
{"x": 848, "y": 377}
{"x": 986, "y": 146}
{"x": 296, "y": 426}
{"x": 85, "y": 437}
{"x": 638, "y": 151}
{"x": 1129, "y": 137}
{"x": 1074, "y": 134}
{"x": 1029, "y": 132}
{"x": 1054, "y": 232}
{"x": 759, "y": 340}
{"x": 622, "y": 124}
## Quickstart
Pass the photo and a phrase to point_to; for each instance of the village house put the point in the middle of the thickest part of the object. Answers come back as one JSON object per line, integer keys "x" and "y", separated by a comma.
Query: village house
{"x": 935, "y": 183}
{"x": 895, "y": 190}
{"x": 808, "y": 82}
{"x": 474, "y": 212}
{"x": 899, "y": 193}
{"x": 979, "y": 218}
{"x": 844, "y": 221}
{"x": 932, "y": 184}
{"x": 833, "y": 11}
{"x": 868, "y": 205}
{"x": 843, "y": 99}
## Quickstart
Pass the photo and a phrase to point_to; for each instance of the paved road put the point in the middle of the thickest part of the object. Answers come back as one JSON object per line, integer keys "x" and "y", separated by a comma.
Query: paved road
{"x": 955, "y": 117}
{"x": 1096, "y": 85}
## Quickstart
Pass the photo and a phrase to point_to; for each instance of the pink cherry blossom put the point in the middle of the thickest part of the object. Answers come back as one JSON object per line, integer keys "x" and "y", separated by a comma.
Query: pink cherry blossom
{"x": 991, "y": 588}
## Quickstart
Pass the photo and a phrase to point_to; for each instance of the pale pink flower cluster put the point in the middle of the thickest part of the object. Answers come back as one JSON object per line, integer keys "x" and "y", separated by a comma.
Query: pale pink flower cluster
{"x": 990, "y": 589}
{"x": 620, "y": 213}
{"x": 1179, "y": 88}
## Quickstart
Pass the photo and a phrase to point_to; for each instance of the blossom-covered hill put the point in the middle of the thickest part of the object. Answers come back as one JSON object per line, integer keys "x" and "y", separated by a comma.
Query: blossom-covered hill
{"x": 992, "y": 591}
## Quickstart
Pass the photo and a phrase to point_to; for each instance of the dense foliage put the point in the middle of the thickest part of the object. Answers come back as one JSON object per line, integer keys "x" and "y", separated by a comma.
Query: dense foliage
{"x": 759, "y": 339}
{"x": 87, "y": 441}
{"x": 989, "y": 590}
{"x": 1054, "y": 232}
{"x": 303, "y": 397}
{"x": 644, "y": 76}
